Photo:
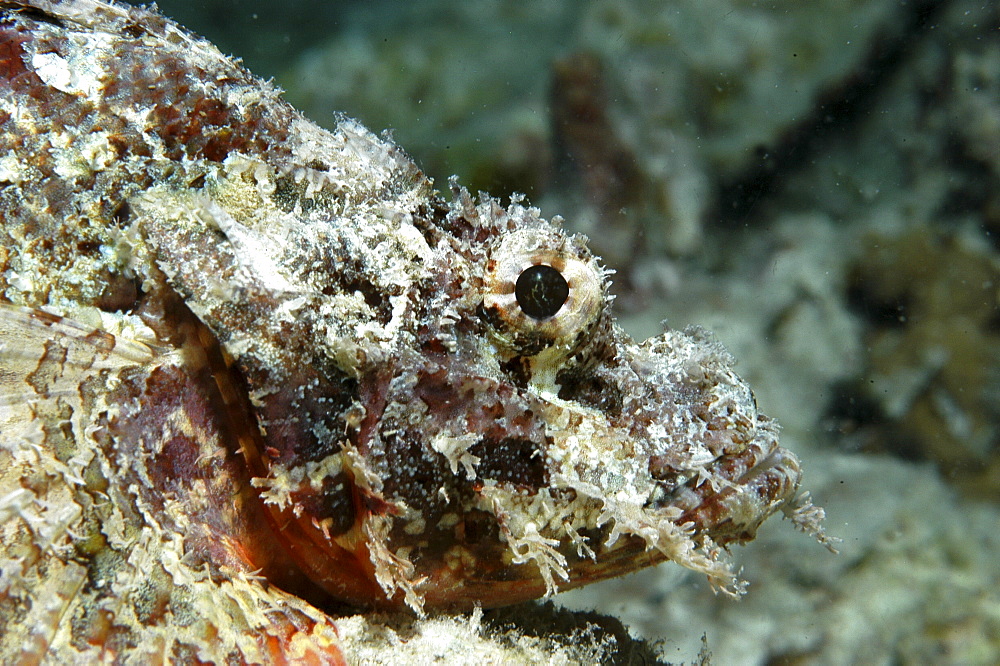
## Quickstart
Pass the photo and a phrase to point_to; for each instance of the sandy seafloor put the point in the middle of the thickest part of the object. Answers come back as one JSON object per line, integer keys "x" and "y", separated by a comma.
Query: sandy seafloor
{"x": 816, "y": 183}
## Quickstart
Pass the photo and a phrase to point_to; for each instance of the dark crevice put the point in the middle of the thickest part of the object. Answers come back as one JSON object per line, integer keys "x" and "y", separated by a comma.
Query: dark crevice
{"x": 30, "y": 12}
{"x": 513, "y": 460}
{"x": 879, "y": 310}
{"x": 837, "y": 109}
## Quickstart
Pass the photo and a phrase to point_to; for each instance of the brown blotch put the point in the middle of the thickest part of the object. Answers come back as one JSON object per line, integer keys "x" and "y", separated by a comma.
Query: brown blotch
{"x": 333, "y": 506}
{"x": 518, "y": 370}
{"x": 591, "y": 390}
{"x": 120, "y": 294}
{"x": 12, "y": 55}
{"x": 292, "y": 418}
{"x": 90, "y": 626}
{"x": 478, "y": 527}
{"x": 178, "y": 458}
{"x": 518, "y": 462}
{"x": 134, "y": 30}
{"x": 662, "y": 469}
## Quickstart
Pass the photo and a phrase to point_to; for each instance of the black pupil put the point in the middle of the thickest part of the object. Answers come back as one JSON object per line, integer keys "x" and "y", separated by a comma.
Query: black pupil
{"x": 540, "y": 291}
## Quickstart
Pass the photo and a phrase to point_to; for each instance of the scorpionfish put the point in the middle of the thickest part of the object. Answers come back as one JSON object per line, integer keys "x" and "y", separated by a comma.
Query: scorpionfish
{"x": 253, "y": 371}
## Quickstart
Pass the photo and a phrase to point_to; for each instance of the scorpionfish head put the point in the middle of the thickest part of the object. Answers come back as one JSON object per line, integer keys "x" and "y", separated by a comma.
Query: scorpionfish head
{"x": 449, "y": 415}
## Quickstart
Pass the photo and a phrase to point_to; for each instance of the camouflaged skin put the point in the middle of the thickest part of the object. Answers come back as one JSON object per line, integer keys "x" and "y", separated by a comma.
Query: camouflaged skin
{"x": 251, "y": 370}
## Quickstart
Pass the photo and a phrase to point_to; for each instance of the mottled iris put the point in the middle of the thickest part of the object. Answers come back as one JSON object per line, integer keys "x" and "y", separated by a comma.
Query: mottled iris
{"x": 540, "y": 291}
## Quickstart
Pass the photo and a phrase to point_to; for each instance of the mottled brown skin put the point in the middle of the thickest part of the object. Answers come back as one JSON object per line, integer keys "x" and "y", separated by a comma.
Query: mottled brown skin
{"x": 253, "y": 370}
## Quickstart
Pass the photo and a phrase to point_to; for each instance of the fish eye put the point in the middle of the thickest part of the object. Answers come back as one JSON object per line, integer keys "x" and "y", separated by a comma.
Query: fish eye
{"x": 541, "y": 290}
